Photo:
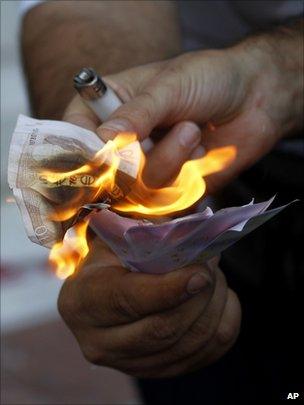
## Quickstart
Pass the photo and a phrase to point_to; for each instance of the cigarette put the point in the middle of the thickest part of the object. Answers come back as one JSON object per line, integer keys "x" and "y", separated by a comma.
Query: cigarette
{"x": 100, "y": 97}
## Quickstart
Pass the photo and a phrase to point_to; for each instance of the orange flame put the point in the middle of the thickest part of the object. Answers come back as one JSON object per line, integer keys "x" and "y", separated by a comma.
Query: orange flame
{"x": 103, "y": 169}
{"x": 188, "y": 187}
{"x": 67, "y": 255}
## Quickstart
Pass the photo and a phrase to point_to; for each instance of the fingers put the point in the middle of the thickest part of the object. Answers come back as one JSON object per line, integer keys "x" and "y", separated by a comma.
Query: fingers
{"x": 170, "y": 153}
{"x": 223, "y": 339}
{"x": 179, "y": 331}
{"x": 144, "y": 112}
{"x": 111, "y": 295}
{"x": 205, "y": 326}
{"x": 169, "y": 341}
{"x": 128, "y": 83}
{"x": 173, "y": 342}
{"x": 142, "y": 343}
{"x": 125, "y": 84}
{"x": 78, "y": 113}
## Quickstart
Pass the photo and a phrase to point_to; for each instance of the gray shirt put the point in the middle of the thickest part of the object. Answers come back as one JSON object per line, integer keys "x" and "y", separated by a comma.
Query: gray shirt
{"x": 220, "y": 23}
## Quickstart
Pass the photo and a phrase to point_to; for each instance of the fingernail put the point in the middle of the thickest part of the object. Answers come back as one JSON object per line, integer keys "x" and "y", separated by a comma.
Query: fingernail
{"x": 198, "y": 152}
{"x": 198, "y": 282}
{"x": 190, "y": 135}
{"x": 109, "y": 129}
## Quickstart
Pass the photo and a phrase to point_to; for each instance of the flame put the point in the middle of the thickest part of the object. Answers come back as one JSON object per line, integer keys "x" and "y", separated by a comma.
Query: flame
{"x": 65, "y": 256}
{"x": 103, "y": 169}
{"x": 63, "y": 215}
{"x": 188, "y": 187}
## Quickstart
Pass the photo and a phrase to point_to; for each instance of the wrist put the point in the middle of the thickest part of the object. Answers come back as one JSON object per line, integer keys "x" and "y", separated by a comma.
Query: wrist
{"x": 274, "y": 74}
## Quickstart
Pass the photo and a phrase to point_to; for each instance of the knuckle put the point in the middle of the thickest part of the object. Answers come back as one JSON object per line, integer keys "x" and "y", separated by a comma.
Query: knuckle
{"x": 61, "y": 302}
{"x": 163, "y": 330}
{"x": 148, "y": 95}
{"x": 226, "y": 334}
{"x": 93, "y": 346}
{"x": 66, "y": 303}
{"x": 93, "y": 355}
{"x": 185, "y": 348}
{"x": 173, "y": 81}
{"x": 202, "y": 330}
{"x": 148, "y": 104}
{"x": 121, "y": 304}
{"x": 78, "y": 299}
{"x": 88, "y": 294}
{"x": 229, "y": 327}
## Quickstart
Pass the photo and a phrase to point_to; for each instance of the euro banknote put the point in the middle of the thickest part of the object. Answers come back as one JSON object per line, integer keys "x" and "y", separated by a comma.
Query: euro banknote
{"x": 159, "y": 248}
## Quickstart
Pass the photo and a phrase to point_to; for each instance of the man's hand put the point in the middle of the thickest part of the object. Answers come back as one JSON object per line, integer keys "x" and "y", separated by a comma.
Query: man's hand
{"x": 166, "y": 158}
{"x": 149, "y": 325}
{"x": 249, "y": 96}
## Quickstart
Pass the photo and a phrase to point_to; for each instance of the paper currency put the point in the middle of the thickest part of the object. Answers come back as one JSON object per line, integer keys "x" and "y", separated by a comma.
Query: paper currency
{"x": 145, "y": 247}
{"x": 37, "y": 145}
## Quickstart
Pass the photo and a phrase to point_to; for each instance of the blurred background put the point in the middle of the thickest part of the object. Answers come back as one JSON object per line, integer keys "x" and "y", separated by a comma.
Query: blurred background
{"x": 40, "y": 360}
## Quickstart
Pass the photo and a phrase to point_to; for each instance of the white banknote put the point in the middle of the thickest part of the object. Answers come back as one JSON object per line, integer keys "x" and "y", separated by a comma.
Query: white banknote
{"x": 38, "y": 145}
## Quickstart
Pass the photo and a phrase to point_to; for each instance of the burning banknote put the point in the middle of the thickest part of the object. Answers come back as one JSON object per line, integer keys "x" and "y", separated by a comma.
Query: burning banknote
{"x": 41, "y": 151}
{"x": 63, "y": 175}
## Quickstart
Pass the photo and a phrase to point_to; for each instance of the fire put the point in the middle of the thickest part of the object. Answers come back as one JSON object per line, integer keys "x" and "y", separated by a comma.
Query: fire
{"x": 67, "y": 255}
{"x": 103, "y": 167}
{"x": 188, "y": 187}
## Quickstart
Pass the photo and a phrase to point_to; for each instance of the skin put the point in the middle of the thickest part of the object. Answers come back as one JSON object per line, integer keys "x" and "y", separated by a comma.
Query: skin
{"x": 231, "y": 94}
{"x": 149, "y": 325}
{"x": 60, "y": 37}
{"x": 163, "y": 325}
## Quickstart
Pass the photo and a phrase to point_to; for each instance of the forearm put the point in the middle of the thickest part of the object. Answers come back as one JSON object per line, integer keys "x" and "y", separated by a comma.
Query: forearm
{"x": 58, "y": 38}
{"x": 276, "y": 58}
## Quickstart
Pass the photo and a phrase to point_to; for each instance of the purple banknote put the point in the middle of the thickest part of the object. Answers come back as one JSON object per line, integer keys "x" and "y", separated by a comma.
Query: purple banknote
{"x": 160, "y": 248}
